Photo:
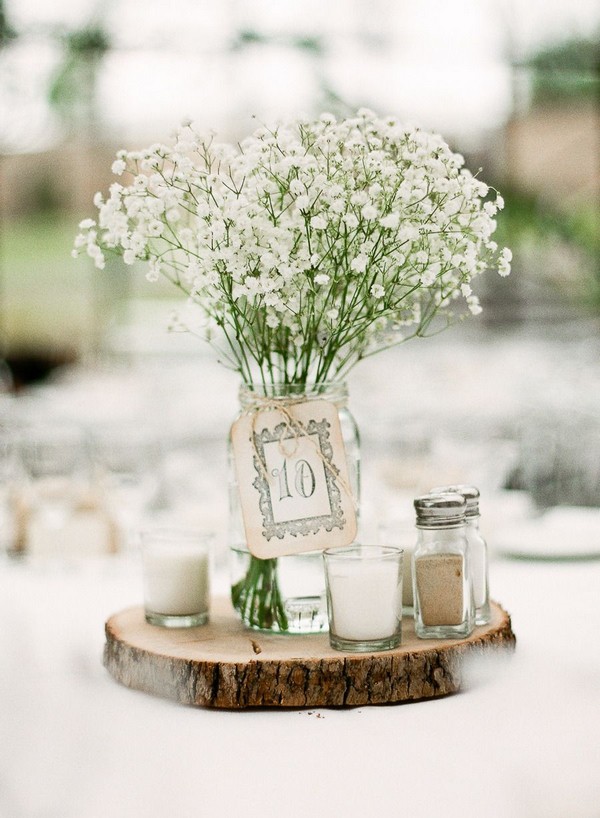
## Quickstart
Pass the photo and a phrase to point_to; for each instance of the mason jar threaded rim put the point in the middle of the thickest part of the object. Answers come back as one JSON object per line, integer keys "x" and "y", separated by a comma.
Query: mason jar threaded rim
{"x": 335, "y": 392}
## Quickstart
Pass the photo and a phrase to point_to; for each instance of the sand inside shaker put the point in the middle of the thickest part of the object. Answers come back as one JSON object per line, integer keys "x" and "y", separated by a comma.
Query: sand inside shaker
{"x": 440, "y": 588}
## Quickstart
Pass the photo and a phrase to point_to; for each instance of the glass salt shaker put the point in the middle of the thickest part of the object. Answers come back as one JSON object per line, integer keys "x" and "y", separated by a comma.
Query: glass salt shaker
{"x": 478, "y": 555}
{"x": 442, "y": 587}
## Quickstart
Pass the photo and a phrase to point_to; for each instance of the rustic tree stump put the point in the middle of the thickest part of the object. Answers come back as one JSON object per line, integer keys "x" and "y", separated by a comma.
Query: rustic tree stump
{"x": 224, "y": 664}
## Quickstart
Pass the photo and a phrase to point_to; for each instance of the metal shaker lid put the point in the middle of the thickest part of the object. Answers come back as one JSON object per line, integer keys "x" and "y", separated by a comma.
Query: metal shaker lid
{"x": 440, "y": 509}
{"x": 470, "y": 493}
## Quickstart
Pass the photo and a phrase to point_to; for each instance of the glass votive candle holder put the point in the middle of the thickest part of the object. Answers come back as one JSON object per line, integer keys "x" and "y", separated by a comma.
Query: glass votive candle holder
{"x": 176, "y": 575}
{"x": 364, "y": 597}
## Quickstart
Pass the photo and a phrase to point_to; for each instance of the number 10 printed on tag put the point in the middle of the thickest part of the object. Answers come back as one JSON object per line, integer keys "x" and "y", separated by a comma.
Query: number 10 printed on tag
{"x": 293, "y": 479}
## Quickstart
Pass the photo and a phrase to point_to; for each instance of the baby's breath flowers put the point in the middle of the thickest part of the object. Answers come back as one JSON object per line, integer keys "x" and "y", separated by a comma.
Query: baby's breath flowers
{"x": 306, "y": 248}
{"x": 309, "y": 246}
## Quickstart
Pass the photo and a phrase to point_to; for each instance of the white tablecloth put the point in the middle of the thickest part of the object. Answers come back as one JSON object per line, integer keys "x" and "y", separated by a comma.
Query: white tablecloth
{"x": 522, "y": 740}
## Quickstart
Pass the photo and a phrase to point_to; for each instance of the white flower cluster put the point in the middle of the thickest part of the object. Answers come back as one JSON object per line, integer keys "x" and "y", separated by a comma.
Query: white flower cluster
{"x": 311, "y": 244}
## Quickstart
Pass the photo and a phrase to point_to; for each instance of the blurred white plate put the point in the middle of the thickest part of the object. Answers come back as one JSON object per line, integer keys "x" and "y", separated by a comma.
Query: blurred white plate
{"x": 562, "y": 533}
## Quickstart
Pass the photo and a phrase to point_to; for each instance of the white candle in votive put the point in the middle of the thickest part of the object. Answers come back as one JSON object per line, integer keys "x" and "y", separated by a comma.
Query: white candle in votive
{"x": 176, "y": 579}
{"x": 365, "y": 599}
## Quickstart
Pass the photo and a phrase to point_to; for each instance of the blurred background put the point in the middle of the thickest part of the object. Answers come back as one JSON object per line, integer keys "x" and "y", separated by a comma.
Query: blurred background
{"x": 107, "y": 419}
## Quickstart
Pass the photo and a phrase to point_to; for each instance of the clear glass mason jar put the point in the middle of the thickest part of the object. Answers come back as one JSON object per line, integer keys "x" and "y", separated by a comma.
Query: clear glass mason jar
{"x": 286, "y": 594}
{"x": 442, "y": 585}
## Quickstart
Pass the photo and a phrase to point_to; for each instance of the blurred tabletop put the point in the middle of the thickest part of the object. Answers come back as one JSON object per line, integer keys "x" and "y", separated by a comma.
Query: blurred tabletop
{"x": 522, "y": 738}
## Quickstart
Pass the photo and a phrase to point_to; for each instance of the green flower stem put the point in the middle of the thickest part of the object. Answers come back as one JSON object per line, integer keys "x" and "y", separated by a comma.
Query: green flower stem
{"x": 257, "y": 597}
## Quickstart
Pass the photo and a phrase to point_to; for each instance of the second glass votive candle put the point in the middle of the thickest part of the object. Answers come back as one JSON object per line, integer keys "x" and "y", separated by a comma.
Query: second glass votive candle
{"x": 364, "y": 597}
{"x": 175, "y": 565}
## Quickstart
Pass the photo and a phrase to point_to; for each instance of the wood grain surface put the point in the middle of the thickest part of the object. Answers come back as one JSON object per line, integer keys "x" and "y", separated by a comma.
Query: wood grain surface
{"x": 223, "y": 664}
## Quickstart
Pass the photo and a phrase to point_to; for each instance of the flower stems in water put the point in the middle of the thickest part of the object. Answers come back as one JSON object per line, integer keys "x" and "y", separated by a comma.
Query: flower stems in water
{"x": 257, "y": 598}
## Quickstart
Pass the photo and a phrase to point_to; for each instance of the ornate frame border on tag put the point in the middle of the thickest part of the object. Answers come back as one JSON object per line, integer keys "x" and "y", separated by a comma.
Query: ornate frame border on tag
{"x": 309, "y": 525}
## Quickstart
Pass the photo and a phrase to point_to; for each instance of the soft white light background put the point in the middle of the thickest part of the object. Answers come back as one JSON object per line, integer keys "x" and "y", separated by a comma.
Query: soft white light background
{"x": 443, "y": 65}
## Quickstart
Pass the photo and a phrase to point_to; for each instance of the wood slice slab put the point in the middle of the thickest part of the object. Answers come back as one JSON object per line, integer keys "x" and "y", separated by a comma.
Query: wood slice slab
{"x": 224, "y": 664}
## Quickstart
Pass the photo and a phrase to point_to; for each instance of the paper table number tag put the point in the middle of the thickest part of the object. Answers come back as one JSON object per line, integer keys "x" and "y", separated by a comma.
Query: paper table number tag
{"x": 293, "y": 479}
